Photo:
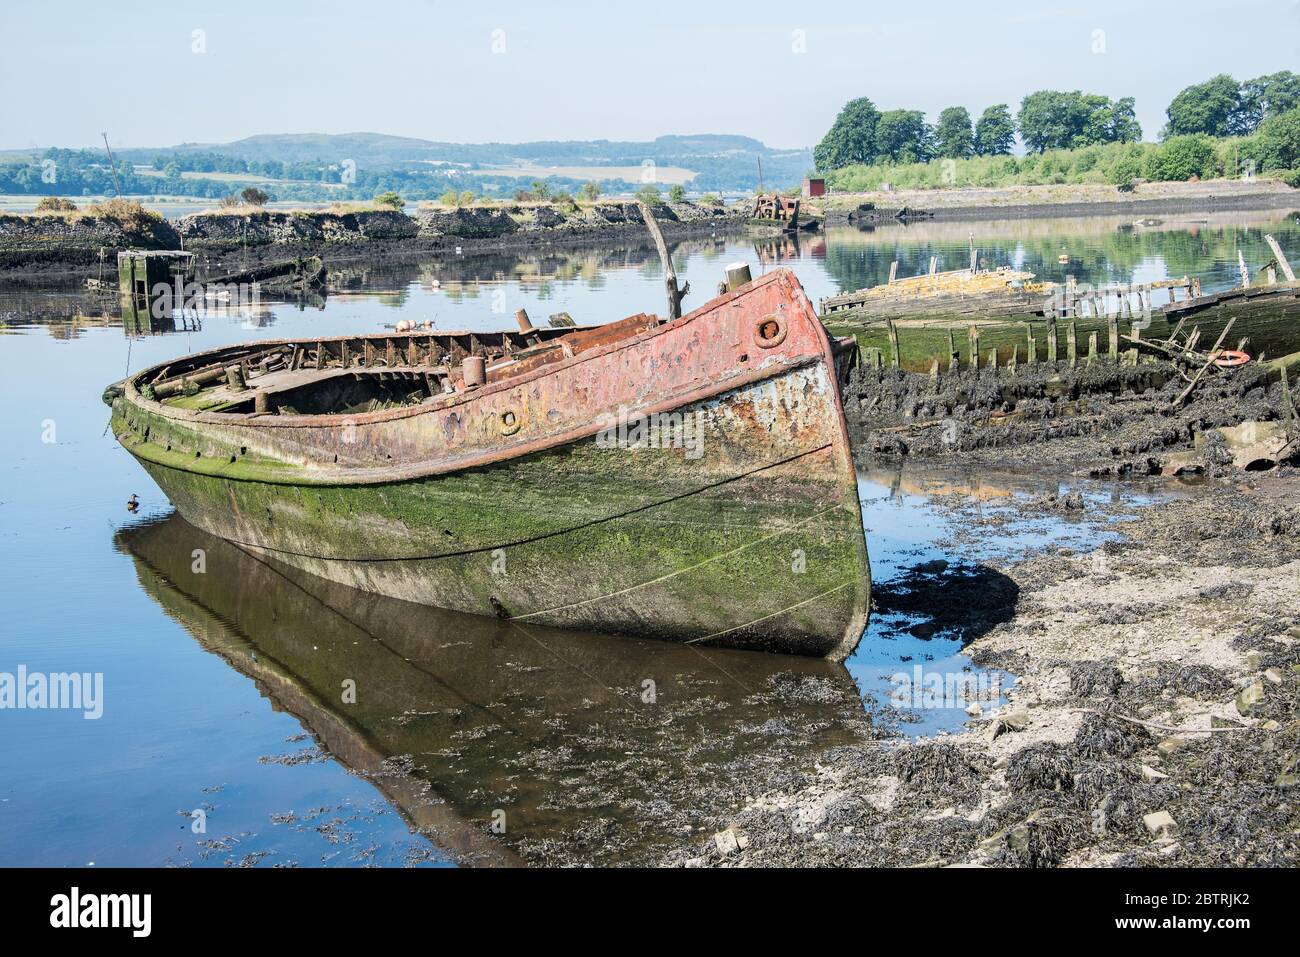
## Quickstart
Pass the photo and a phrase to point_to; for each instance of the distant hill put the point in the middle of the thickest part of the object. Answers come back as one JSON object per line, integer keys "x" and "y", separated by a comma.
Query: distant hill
{"x": 325, "y": 166}
{"x": 381, "y": 150}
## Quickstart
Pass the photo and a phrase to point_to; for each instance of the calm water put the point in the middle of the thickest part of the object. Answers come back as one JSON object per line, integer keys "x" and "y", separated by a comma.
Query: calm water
{"x": 218, "y": 690}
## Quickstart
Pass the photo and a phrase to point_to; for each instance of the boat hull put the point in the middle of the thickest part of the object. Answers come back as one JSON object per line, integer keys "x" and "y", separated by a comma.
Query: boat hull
{"x": 1269, "y": 319}
{"x": 729, "y": 518}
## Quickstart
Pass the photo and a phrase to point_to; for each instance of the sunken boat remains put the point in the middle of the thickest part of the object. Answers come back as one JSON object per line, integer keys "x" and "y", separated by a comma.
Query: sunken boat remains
{"x": 973, "y": 318}
{"x": 687, "y": 479}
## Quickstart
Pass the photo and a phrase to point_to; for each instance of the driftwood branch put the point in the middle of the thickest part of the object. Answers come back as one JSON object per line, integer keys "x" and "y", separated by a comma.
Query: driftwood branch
{"x": 1214, "y": 354}
{"x": 675, "y": 293}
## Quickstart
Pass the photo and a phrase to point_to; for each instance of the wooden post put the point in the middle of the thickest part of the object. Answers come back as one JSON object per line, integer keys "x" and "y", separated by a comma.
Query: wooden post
{"x": 993, "y": 358}
{"x": 952, "y": 352}
{"x": 893, "y": 343}
{"x": 675, "y": 294}
{"x": 1072, "y": 343}
{"x": 1092, "y": 347}
{"x": 973, "y": 344}
{"x": 934, "y": 375}
{"x": 1281, "y": 258}
{"x": 1241, "y": 266}
{"x": 893, "y": 270}
{"x": 1051, "y": 341}
{"x": 1032, "y": 355}
{"x": 1113, "y": 328}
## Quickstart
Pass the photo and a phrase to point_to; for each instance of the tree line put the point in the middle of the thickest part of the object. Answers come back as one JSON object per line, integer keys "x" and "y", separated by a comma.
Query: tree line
{"x": 1048, "y": 120}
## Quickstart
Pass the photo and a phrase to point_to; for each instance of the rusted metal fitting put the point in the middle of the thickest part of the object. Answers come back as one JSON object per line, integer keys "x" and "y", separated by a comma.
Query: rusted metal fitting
{"x": 769, "y": 331}
{"x": 738, "y": 275}
{"x": 525, "y": 324}
{"x": 474, "y": 371}
{"x": 510, "y": 422}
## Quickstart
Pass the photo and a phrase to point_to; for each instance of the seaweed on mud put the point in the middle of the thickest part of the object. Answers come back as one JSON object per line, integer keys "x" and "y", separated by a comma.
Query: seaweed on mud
{"x": 938, "y": 767}
{"x": 1034, "y": 831}
{"x": 794, "y": 687}
{"x": 1041, "y": 767}
{"x": 1103, "y": 735}
{"x": 1090, "y": 679}
{"x": 1182, "y": 681}
{"x": 1226, "y": 591}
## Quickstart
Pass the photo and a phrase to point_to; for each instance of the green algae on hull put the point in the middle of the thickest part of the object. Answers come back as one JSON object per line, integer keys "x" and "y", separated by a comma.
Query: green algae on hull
{"x": 750, "y": 536}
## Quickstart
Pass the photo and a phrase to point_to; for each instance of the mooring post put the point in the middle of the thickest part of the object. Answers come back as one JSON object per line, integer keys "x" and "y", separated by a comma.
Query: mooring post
{"x": 1092, "y": 347}
{"x": 893, "y": 270}
{"x": 974, "y": 257}
{"x": 1113, "y": 329}
{"x": 1280, "y": 256}
{"x": 1072, "y": 343}
{"x": 993, "y": 358}
{"x": 1051, "y": 340}
{"x": 973, "y": 346}
{"x": 1032, "y": 358}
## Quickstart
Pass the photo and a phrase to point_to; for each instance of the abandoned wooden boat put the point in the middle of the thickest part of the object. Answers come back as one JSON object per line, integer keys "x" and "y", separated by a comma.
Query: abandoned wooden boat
{"x": 686, "y": 479}
{"x": 974, "y": 317}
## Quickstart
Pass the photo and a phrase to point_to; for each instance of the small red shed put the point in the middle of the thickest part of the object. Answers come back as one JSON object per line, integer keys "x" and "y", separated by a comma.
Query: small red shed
{"x": 814, "y": 186}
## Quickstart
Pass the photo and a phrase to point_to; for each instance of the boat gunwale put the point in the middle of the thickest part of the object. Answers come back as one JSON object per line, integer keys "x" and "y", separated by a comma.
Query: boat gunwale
{"x": 262, "y": 420}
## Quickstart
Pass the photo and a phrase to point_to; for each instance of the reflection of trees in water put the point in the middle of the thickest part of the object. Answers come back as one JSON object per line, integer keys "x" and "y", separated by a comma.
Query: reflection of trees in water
{"x": 1098, "y": 257}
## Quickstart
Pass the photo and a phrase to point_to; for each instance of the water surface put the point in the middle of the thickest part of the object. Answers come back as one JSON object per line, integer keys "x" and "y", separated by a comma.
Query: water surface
{"x": 223, "y": 700}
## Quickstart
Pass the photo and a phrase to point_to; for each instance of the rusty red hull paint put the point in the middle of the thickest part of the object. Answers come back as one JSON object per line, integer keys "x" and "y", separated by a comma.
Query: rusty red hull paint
{"x": 713, "y": 546}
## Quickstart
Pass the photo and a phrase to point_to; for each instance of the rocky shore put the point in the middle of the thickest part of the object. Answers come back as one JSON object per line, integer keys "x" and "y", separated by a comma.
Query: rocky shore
{"x": 1153, "y": 721}
{"x": 33, "y": 247}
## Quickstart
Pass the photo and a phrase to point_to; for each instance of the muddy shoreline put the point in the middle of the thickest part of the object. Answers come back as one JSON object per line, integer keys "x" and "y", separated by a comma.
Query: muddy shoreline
{"x": 1154, "y": 718}
{"x": 58, "y": 264}
{"x": 1153, "y": 721}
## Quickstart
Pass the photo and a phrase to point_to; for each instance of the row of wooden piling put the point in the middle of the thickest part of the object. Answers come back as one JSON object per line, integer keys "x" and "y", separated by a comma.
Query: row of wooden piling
{"x": 874, "y": 356}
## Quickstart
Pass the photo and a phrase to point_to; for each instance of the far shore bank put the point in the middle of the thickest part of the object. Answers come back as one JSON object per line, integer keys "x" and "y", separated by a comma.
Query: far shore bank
{"x": 1009, "y": 202}
{"x": 43, "y": 249}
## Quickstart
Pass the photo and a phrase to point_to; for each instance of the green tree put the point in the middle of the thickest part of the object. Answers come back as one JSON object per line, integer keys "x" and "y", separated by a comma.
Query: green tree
{"x": 1213, "y": 108}
{"x": 995, "y": 132}
{"x": 590, "y": 191}
{"x": 903, "y": 136}
{"x": 1181, "y": 157}
{"x": 953, "y": 136}
{"x": 254, "y": 196}
{"x": 1052, "y": 120}
{"x": 677, "y": 194}
{"x": 649, "y": 194}
{"x": 449, "y": 198}
{"x": 540, "y": 190}
{"x": 1277, "y": 144}
{"x": 1267, "y": 96}
{"x": 466, "y": 198}
{"x": 391, "y": 199}
{"x": 851, "y": 139}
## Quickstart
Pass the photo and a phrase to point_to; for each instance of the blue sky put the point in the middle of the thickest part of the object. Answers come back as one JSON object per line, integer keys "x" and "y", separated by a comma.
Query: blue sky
{"x": 477, "y": 71}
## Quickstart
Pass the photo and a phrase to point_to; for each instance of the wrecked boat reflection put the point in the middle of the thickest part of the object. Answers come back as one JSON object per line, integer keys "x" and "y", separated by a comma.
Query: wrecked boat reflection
{"x": 503, "y": 744}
